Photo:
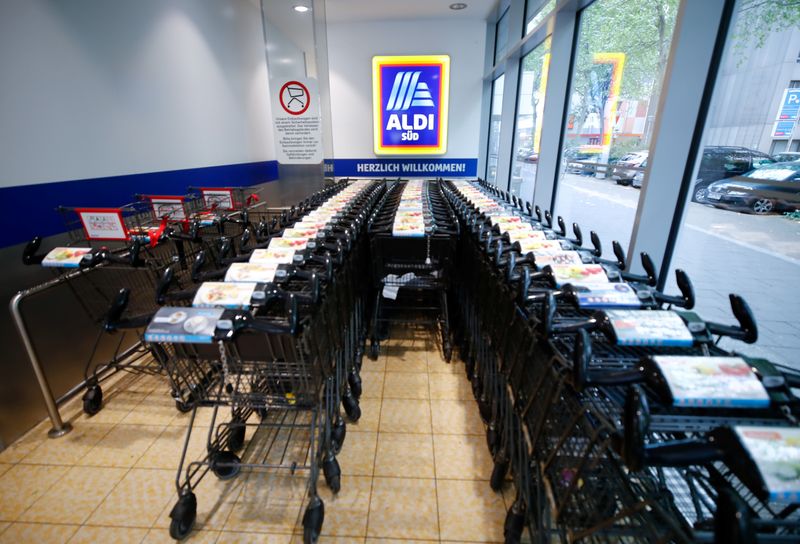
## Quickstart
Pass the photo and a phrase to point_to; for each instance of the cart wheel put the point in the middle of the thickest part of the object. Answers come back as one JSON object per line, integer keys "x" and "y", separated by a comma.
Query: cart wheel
{"x": 492, "y": 437}
{"x": 485, "y": 410}
{"x": 236, "y": 436}
{"x": 92, "y": 400}
{"x": 183, "y": 406}
{"x": 374, "y": 350}
{"x": 355, "y": 384}
{"x": 183, "y": 515}
{"x": 225, "y": 465}
{"x": 499, "y": 474}
{"x": 359, "y": 358}
{"x": 351, "y": 407}
{"x": 469, "y": 367}
{"x": 333, "y": 474}
{"x": 448, "y": 352}
{"x": 312, "y": 520}
{"x": 338, "y": 433}
{"x": 513, "y": 527}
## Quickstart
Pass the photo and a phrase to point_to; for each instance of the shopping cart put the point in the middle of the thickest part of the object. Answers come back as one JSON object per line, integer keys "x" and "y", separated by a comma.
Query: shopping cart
{"x": 412, "y": 248}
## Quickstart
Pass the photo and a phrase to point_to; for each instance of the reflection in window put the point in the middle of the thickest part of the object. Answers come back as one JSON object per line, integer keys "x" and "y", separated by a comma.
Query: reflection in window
{"x": 501, "y": 37}
{"x": 735, "y": 236}
{"x": 494, "y": 129}
{"x": 621, "y": 55}
{"x": 536, "y": 11}
{"x": 528, "y": 129}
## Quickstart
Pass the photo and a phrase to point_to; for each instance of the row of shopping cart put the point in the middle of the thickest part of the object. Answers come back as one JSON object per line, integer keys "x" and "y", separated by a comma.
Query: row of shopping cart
{"x": 609, "y": 402}
{"x": 281, "y": 337}
{"x": 413, "y": 234}
{"x": 131, "y": 246}
{"x": 279, "y": 343}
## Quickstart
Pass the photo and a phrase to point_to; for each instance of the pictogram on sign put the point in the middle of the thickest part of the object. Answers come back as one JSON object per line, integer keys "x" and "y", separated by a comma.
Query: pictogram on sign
{"x": 295, "y": 98}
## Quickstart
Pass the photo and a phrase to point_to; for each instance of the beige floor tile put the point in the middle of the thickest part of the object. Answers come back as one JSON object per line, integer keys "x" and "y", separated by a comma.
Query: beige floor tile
{"x": 405, "y": 416}
{"x": 372, "y": 385}
{"x": 160, "y": 535}
{"x": 469, "y": 510}
{"x": 398, "y": 541}
{"x": 406, "y": 359}
{"x": 4, "y": 525}
{"x": 20, "y": 533}
{"x": 437, "y": 365}
{"x": 202, "y": 419}
{"x": 229, "y": 537}
{"x": 215, "y": 500}
{"x": 456, "y": 417}
{"x": 327, "y": 539}
{"x": 404, "y": 456}
{"x": 70, "y": 448}
{"x": 357, "y": 457}
{"x": 446, "y": 386}
{"x": 22, "y": 485}
{"x": 117, "y": 404}
{"x": 24, "y": 445}
{"x": 270, "y": 503}
{"x": 406, "y": 385}
{"x": 403, "y": 508}
{"x": 165, "y": 451}
{"x": 158, "y": 408}
{"x": 117, "y": 535}
{"x": 462, "y": 457}
{"x": 122, "y": 446}
{"x": 5, "y": 467}
{"x": 378, "y": 365}
{"x": 75, "y": 496}
{"x": 346, "y": 512}
{"x": 137, "y": 500}
{"x": 370, "y": 416}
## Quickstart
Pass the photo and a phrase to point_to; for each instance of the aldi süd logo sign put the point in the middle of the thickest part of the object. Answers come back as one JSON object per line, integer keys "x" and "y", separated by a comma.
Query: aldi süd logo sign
{"x": 409, "y": 101}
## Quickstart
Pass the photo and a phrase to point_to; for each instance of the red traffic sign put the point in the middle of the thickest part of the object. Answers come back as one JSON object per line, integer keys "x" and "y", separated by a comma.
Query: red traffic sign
{"x": 295, "y": 98}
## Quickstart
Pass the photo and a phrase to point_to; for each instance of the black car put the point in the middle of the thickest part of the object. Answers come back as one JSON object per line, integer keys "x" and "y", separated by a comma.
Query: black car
{"x": 722, "y": 162}
{"x": 771, "y": 188}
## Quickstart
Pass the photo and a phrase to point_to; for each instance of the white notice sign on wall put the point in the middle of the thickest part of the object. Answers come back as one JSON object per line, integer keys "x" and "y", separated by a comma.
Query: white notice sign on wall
{"x": 295, "y": 115}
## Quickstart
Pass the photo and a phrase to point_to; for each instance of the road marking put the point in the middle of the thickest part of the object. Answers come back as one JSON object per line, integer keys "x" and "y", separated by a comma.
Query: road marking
{"x": 630, "y": 205}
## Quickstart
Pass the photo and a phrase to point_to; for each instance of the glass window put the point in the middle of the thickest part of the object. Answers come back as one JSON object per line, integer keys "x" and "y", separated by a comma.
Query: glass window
{"x": 621, "y": 54}
{"x": 536, "y": 11}
{"x": 501, "y": 37}
{"x": 528, "y": 129}
{"x": 494, "y": 129}
{"x": 734, "y": 236}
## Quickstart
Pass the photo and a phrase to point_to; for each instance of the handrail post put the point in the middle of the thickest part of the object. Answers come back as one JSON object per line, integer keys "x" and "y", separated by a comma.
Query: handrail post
{"x": 60, "y": 428}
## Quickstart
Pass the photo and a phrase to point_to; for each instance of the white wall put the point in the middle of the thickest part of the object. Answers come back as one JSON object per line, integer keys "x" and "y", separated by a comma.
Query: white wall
{"x": 95, "y": 88}
{"x": 351, "y": 47}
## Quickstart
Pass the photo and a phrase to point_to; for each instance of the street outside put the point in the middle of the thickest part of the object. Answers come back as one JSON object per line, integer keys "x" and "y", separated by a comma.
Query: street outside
{"x": 757, "y": 257}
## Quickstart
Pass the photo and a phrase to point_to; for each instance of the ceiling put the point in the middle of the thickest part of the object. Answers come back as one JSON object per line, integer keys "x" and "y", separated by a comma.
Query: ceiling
{"x": 339, "y": 11}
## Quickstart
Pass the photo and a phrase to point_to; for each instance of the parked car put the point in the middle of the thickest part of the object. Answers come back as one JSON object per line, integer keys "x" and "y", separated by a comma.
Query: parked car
{"x": 787, "y": 156}
{"x": 722, "y": 162}
{"x": 771, "y": 188}
{"x": 624, "y": 170}
{"x": 639, "y": 176}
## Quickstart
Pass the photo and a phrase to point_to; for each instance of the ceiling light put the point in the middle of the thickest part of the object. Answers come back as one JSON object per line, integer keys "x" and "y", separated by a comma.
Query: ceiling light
{"x": 301, "y": 9}
{"x": 458, "y": 5}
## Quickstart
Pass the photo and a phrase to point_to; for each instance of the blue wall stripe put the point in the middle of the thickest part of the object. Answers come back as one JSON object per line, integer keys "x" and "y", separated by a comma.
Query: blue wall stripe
{"x": 29, "y": 210}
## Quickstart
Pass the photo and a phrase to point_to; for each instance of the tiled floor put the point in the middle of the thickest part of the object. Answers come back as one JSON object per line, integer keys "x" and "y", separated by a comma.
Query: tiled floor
{"x": 415, "y": 468}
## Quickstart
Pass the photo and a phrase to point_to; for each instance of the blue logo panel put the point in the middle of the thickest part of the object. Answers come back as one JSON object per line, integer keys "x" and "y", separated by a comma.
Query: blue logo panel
{"x": 410, "y": 100}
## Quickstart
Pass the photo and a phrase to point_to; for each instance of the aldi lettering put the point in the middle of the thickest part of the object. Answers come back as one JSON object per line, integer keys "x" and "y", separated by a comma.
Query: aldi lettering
{"x": 410, "y": 101}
